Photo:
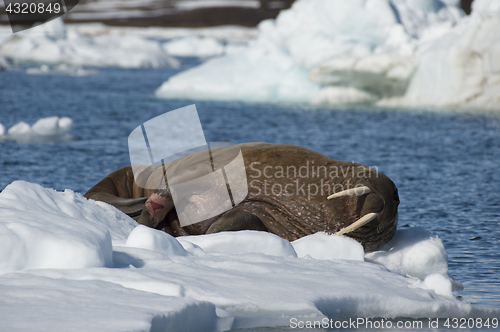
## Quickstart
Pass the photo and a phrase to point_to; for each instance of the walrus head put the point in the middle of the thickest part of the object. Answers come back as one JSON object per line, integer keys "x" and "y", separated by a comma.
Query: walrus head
{"x": 376, "y": 202}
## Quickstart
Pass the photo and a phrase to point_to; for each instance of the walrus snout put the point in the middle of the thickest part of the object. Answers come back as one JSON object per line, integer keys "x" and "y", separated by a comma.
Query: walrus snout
{"x": 383, "y": 201}
{"x": 156, "y": 208}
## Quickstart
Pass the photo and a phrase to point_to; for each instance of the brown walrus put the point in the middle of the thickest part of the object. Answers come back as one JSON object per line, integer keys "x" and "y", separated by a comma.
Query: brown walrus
{"x": 290, "y": 193}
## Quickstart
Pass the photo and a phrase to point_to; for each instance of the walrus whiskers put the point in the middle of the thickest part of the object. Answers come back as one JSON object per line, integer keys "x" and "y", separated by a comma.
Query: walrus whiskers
{"x": 357, "y": 224}
{"x": 354, "y": 191}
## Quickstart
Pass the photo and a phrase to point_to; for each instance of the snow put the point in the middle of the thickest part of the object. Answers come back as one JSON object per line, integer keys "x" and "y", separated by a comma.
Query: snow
{"x": 50, "y": 129}
{"x": 241, "y": 242}
{"x": 415, "y": 252}
{"x": 328, "y": 247}
{"x": 52, "y": 43}
{"x": 388, "y": 53}
{"x": 73, "y": 264}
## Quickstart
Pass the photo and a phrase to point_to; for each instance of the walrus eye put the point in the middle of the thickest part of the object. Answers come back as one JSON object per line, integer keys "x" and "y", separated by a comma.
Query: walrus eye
{"x": 354, "y": 191}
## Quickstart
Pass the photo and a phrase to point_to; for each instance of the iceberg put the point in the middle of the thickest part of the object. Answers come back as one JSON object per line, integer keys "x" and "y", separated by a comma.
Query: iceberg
{"x": 313, "y": 33}
{"x": 462, "y": 68}
{"x": 76, "y": 264}
{"x": 52, "y": 43}
{"x": 378, "y": 52}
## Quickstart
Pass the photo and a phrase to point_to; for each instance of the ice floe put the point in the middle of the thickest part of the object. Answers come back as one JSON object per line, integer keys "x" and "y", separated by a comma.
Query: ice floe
{"x": 44, "y": 130}
{"x": 73, "y": 264}
{"x": 53, "y": 43}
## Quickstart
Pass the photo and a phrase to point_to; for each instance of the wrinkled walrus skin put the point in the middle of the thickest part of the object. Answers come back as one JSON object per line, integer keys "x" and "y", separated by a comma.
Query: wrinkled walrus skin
{"x": 287, "y": 203}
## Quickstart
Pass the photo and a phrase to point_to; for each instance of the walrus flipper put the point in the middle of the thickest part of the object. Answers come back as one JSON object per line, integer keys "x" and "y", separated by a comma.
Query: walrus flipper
{"x": 131, "y": 206}
{"x": 237, "y": 220}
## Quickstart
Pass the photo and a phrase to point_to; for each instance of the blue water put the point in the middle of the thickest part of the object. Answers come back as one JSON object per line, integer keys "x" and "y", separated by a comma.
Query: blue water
{"x": 444, "y": 164}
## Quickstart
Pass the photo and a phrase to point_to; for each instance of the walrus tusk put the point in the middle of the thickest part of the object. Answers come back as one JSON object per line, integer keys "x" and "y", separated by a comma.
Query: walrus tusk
{"x": 358, "y": 191}
{"x": 361, "y": 222}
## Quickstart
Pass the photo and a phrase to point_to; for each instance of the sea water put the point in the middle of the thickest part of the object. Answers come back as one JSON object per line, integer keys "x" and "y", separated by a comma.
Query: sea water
{"x": 444, "y": 163}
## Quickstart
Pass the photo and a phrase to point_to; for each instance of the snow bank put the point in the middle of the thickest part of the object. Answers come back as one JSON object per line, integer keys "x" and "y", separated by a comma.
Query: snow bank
{"x": 337, "y": 39}
{"x": 42, "y": 229}
{"x": 148, "y": 238}
{"x": 52, "y": 43}
{"x": 81, "y": 265}
{"x": 31, "y": 303}
{"x": 51, "y": 129}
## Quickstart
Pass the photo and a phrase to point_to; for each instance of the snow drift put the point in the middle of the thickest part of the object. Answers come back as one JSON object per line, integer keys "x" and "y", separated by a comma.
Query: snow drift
{"x": 380, "y": 52}
{"x": 78, "y": 265}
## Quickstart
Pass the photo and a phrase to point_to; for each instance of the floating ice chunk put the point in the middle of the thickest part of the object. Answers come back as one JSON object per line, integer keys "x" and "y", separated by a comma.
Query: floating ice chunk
{"x": 251, "y": 76}
{"x": 152, "y": 239}
{"x": 2, "y": 130}
{"x": 46, "y": 126}
{"x": 52, "y": 126}
{"x": 65, "y": 124}
{"x": 328, "y": 247}
{"x": 241, "y": 242}
{"x": 194, "y": 46}
{"x": 50, "y": 129}
{"x": 19, "y": 129}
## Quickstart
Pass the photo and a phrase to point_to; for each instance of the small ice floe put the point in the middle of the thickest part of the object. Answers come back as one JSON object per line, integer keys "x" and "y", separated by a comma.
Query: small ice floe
{"x": 45, "y": 130}
{"x": 62, "y": 69}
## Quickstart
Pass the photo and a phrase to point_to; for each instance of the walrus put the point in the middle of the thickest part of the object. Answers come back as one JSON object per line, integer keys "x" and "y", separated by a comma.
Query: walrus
{"x": 292, "y": 192}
